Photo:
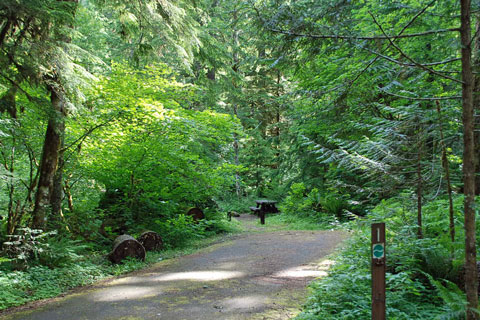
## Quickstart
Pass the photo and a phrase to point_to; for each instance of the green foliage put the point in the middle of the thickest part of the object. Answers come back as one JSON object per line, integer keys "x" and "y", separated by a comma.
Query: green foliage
{"x": 298, "y": 202}
{"x": 229, "y": 202}
{"x": 152, "y": 154}
{"x": 179, "y": 231}
{"x": 61, "y": 251}
{"x": 27, "y": 246}
{"x": 421, "y": 273}
{"x": 32, "y": 247}
{"x": 334, "y": 203}
{"x": 453, "y": 298}
{"x": 302, "y": 203}
{"x": 39, "y": 282}
{"x": 295, "y": 222}
{"x": 173, "y": 104}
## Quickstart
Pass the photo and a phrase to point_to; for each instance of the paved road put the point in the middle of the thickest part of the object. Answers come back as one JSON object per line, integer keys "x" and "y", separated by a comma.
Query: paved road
{"x": 254, "y": 276}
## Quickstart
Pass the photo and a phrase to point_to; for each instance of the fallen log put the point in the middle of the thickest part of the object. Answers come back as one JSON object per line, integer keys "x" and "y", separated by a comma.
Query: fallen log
{"x": 151, "y": 241}
{"x": 126, "y": 246}
{"x": 196, "y": 213}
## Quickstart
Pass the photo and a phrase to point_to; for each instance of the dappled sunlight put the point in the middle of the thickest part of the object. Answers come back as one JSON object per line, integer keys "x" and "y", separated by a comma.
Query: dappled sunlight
{"x": 244, "y": 302}
{"x": 227, "y": 265}
{"x": 307, "y": 271}
{"x": 300, "y": 273}
{"x": 200, "y": 276}
{"x": 119, "y": 293}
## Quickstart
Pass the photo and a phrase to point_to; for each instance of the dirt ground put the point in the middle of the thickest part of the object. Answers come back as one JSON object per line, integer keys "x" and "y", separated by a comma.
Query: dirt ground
{"x": 258, "y": 275}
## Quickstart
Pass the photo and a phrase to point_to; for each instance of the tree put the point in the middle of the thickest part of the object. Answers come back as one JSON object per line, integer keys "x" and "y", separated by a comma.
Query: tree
{"x": 471, "y": 281}
{"x": 36, "y": 38}
{"x": 370, "y": 36}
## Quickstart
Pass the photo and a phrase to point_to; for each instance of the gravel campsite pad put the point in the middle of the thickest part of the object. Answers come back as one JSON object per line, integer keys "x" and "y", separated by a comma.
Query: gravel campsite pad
{"x": 257, "y": 275}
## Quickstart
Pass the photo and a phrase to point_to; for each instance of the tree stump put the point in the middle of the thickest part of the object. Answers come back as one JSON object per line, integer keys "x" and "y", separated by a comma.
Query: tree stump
{"x": 151, "y": 241}
{"x": 126, "y": 246}
{"x": 196, "y": 213}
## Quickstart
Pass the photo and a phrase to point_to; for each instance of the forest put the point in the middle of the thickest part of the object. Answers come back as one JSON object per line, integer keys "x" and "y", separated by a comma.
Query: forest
{"x": 117, "y": 117}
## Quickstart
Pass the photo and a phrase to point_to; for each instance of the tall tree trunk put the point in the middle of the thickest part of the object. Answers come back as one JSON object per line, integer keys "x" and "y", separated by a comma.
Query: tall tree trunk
{"x": 10, "y": 167}
{"x": 471, "y": 282}
{"x": 476, "y": 100}
{"x": 419, "y": 187}
{"x": 50, "y": 178}
{"x": 68, "y": 193}
{"x": 57, "y": 190}
{"x": 49, "y": 161}
{"x": 235, "y": 68}
{"x": 446, "y": 167}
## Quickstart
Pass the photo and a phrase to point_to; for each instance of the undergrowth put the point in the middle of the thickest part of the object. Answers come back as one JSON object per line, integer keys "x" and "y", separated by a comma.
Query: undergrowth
{"x": 422, "y": 274}
{"x": 40, "y": 279}
{"x": 292, "y": 222}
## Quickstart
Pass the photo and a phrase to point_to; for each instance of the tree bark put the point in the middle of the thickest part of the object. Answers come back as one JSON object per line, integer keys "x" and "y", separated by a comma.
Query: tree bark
{"x": 49, "y": 161}
{"x": 126, "y": 246}
{"x": 476, "y": 101}
{"x": 67, "y": 189}
{"x": 419, "y": 189}
{"x": 471, "y": 282}
{"x": 57, "y": 189}
{"x": 151, "y": 241}
{"x": 446, "y": 167}
{"x": 49, "y": 183}
{"x": 236, "y": 146}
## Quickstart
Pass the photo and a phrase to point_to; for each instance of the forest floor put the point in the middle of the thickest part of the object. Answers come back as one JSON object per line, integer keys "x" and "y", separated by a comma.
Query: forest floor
{"x": 261, "y": 273}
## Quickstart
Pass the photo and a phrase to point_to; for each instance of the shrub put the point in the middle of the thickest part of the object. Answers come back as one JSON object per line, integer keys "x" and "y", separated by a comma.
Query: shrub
{"x": 300, "y": 203}
{"x": 334, "y": 204}
{"x": 420, "y": 272}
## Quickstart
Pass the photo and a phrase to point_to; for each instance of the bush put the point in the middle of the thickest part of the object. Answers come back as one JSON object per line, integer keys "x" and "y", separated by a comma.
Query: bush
{"x": 420, "y": 272}
{"x": 178, "y": 231}
{"x": 334, "y": 204}
{"x": 298, "y": 202}
{"x": 233, "y": 203}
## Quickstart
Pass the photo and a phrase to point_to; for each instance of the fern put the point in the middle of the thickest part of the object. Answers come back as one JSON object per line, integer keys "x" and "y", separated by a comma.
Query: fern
{"x": 454, "y": 299}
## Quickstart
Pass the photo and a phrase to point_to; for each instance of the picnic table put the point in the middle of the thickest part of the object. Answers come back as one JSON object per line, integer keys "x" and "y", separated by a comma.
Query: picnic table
{"x": 263, "y": 207}
{"x": 267, "y": 206}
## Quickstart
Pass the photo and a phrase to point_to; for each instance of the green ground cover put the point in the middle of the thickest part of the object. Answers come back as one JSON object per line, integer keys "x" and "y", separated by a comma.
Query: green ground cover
{"x": 423, "y": 275}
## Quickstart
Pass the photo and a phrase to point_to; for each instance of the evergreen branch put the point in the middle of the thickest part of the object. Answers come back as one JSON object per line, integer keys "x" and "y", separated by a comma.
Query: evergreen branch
{"x": 400, "y": 33}
{"x": 421, "y": 98}
{"x": 17, "y": 85}
{"x": 417, "y": 64}
{"x": 411, "y": 64}
{"x": 343, "y": 37}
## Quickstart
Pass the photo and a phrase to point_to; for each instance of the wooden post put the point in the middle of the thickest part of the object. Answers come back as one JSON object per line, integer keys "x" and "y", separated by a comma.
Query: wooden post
{"x": 262, "y": 216}
{"x": 378, "y": 271}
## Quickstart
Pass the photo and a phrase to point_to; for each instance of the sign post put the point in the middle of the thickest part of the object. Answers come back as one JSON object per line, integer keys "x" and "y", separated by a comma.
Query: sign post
{"x": 378, "y": 271}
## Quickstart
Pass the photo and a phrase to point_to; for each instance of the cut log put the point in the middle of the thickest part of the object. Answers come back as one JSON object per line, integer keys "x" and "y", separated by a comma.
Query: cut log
{"x": 196, "y": 213}
{"x": 151, "y": 241}
{"x": 126, "y": 246}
